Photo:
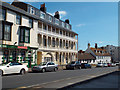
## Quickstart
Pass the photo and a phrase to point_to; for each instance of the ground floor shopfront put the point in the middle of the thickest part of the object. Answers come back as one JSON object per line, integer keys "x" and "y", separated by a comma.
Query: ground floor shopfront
{"x": 12, "y": 53}
{"x": 60, "y": 58}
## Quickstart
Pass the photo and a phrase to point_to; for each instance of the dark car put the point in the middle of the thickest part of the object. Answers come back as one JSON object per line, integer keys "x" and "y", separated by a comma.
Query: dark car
{"x": 73, "y": 65}
{"x": 109, "y": 64}
{"x": 85, "y": 65}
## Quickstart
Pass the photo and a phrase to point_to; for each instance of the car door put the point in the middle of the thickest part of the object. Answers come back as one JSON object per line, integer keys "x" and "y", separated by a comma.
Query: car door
{"x": 48, "y": 68}
{"x": 9, "y": 68}
{"x": 52, "y": 66}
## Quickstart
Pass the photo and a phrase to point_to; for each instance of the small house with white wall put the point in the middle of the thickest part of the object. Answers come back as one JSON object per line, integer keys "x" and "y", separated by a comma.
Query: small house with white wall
{"x": 101, "y": 54}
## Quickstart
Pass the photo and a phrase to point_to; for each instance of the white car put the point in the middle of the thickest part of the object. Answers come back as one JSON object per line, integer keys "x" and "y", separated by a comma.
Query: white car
{"x": 11, "y": 68}
{"x": 99, "y": 65}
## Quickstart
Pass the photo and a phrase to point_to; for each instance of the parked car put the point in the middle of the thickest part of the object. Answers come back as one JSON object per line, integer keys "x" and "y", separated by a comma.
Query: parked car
{"x": 11, "y": 68}
{"x": 99, "y": 65}
{"x": 85, "y": 65}
{"x": 113, "y": 64}
{"x": 105, "y": 65}
{"x": 73, "y": 65}
{"x": 109, "y": 64}
{"x": 45, "y": 66}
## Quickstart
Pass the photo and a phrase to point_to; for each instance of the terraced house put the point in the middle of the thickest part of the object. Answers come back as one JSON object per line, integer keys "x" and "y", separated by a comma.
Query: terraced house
{"x": 29, "y": 33}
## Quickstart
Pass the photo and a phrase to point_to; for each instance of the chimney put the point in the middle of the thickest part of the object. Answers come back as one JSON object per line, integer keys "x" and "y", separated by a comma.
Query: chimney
{"x": 67, "y": 21}
{"x": 96, "y": 45}
{"x": 43, "y": 8}
{"x": 57, "y": 15}
{"x": 88, "y": 45}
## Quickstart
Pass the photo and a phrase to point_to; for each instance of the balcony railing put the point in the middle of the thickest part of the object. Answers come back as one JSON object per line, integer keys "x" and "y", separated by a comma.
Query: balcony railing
{"x": 50, "y": 33}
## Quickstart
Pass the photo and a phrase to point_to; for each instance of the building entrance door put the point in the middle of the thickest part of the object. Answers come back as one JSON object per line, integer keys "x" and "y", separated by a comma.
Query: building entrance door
{"x": 39, "y": 57}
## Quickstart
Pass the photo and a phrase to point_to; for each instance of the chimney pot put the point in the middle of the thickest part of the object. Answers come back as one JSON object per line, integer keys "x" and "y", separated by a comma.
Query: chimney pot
{"x": 96, "y": 45}
{"x": 67, "y": 21}
{"x": 57, "y": 15}
{"x": 43, "y": 8}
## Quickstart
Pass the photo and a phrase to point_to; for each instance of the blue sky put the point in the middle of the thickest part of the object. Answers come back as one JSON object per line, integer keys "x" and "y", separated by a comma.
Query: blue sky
{"x": 95, "y": 22}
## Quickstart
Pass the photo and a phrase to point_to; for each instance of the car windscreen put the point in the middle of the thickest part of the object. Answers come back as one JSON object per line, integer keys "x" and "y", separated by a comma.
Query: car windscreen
{"x": 42, "y": 64}
{"x": 72, "y": 63}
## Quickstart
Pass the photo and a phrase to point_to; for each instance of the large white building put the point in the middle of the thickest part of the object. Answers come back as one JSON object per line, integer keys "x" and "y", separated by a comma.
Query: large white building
{"x": 102, "y": 56}
{"x": 26, "y": 29}
{"x": 113, "y": 50}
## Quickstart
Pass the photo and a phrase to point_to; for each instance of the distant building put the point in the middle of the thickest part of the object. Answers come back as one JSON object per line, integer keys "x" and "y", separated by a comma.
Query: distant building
{"x": 102, "y": 56}
{"x": 113, "y": 50}
{"x": 86, "y": 57}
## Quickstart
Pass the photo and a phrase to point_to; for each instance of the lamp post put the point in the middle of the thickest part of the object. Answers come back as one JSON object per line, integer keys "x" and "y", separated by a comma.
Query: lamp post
{"x": 14, "y": 52}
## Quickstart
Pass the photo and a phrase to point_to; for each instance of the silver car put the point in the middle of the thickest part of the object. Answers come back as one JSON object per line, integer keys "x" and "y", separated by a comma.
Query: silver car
{"x": 99, "y": 65}
{"x": 45, "y": 66}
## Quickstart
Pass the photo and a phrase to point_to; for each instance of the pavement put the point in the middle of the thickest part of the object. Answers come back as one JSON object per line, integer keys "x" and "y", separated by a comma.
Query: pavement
{"x": 59, "y": 79}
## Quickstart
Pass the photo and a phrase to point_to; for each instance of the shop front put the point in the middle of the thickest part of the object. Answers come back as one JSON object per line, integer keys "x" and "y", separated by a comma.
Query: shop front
{"x": 12, "y": 53}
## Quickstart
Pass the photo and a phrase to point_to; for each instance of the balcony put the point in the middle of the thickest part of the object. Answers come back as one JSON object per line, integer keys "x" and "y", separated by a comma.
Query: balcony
{"x": 53, "y": 34}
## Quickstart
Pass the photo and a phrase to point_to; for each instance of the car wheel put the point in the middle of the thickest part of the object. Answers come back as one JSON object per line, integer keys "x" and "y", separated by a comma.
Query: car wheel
{"x": 22, "y": 72}
{"x": 79, "y": 67}
{"x": 74, "y": 68}
{"x": 43, "y": 70}
{"x": 55, "y": 69}
{"x": 1, "y": 72}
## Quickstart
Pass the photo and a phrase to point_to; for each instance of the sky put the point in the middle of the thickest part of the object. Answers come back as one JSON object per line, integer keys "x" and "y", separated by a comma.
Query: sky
{"x": 95, "y": 22}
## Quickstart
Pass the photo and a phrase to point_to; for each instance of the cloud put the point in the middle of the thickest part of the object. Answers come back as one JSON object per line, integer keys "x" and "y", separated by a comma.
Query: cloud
{"x": 62, "y": 14}
{"x": 100, "y": 42}
{"x": 80, "y": 25}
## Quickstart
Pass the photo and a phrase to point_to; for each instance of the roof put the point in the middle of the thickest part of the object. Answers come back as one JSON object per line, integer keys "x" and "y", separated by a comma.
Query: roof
{"x": 104, "y": 53}
{"x": 16, "y": 9}
{"x": 85, "y": 56}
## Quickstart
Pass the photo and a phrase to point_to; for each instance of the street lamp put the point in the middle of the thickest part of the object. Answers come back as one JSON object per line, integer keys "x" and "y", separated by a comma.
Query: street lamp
{"x": 15, "y": 43}
{"x": 14, "y": 52}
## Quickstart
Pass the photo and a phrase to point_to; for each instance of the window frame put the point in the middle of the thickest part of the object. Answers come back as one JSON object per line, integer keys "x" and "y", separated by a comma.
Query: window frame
{"x": 24, "y": 30}
{"x": 30, "y": 23}
{"x": 18, "y": 18}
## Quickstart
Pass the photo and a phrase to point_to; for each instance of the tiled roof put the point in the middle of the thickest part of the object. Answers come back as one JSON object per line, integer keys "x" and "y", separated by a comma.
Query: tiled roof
{"x": 100, "y": 54}
{"x": 85, "y": 56}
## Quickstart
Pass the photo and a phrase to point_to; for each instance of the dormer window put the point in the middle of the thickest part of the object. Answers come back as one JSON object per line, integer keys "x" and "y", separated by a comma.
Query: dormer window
{"x": 50, "y": 18}
{"x": 63, "y": 24}
{"x": 42, "y": 15}
{"x": 56, "y": 21}
{"x": 32, "y": 11}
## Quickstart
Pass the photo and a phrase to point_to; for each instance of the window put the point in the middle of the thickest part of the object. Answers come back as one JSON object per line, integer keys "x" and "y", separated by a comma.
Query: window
{"x": 30, "y": 23}
{"x": 32, "y": 11}
{"x": 72, "y": 45}
{"x": 53, "y": 29}
{"x": 60, "y": 32}
{"x": 3, "y": 13}
{"x": 7, "y": 32}
{"x": 60, "y": 43}
{"x": 67, "y": 26}
{"x": 18, "y": 19}
{"x": 53, "y": 42}
{"x": 42, "y": 15}
{"x": 24, "y": 35}
{"x": 44, "y": 40}
{"x": 50, "y": 18}
{"x": 44, "y": 27}
{"x": 63, "y": 24}
{"x": 56, "y": 21}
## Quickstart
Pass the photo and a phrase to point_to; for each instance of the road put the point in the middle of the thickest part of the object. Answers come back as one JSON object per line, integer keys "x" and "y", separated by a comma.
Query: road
{"x": 50, "y": 79}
